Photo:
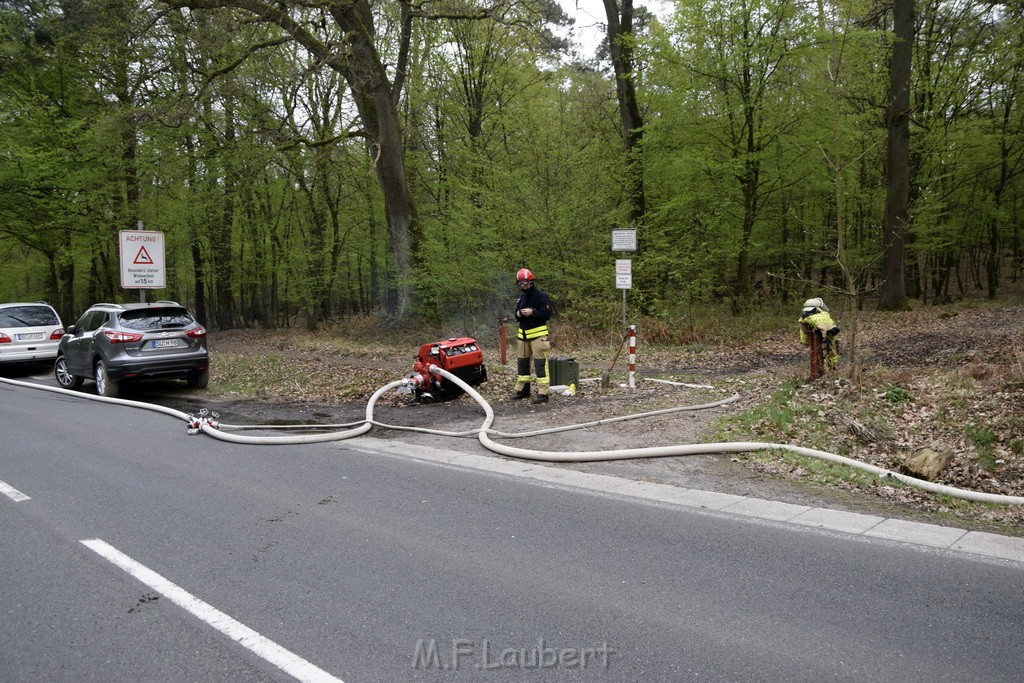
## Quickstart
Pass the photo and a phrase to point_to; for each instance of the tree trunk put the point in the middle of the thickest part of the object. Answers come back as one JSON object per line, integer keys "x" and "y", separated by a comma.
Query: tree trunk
{"x": 376, "y": 100}
{"x": 992, "y": 260}
{"x": 620, "y": 46}
{"x": 378, "y": 110}
{"x": 893, "y": 296}
{"x": 222, "y": 226}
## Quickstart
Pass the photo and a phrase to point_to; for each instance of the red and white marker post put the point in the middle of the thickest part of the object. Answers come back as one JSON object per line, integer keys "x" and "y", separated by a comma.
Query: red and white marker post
{"x": 632, "y": 356}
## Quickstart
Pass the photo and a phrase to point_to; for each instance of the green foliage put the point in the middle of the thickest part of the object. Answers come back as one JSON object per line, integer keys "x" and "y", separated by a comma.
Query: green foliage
{"x": 896, "y": 394}
{"x": 762, "y": 156}
{"x": 982, "y": 437}
{"x": 514, "y": 200}
{"x": 984, "y": 440}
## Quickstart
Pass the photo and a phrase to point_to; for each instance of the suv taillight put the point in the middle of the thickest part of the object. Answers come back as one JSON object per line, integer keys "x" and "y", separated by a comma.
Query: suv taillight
{"x": 121, "y": 337}
{"x": 197, "y": 332}
{"x": 4, "y": 339}
{"x": 57, "y": 334}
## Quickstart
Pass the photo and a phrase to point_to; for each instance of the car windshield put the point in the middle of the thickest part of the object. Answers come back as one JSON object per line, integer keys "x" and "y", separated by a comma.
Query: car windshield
{"x": 27, "y": 316}
{"x": 156, "y": 319}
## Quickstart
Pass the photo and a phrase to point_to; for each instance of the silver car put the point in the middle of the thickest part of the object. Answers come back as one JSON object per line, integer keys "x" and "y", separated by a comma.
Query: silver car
{"x": 29, "y": 332}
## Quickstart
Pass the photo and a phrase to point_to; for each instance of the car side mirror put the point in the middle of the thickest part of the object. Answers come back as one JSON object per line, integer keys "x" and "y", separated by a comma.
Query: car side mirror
{"x": 71, "y": 329}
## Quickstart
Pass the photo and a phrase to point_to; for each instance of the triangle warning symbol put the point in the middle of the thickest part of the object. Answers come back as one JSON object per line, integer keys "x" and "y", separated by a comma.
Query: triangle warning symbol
{"x": 143, "y": 258}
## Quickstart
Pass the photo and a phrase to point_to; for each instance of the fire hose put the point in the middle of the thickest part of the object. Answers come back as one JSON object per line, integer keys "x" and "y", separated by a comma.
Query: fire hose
{"x": 484, "y": 432}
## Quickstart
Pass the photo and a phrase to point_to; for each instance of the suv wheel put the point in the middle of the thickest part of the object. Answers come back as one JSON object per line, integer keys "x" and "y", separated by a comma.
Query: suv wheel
{"x": 199, "y": 380}
{"x": 64, "y": 376}
{"x": 104, "y": 385}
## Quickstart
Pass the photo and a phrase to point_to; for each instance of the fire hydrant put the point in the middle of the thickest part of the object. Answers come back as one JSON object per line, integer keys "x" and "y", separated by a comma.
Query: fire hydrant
{"x": 819, "y": 332}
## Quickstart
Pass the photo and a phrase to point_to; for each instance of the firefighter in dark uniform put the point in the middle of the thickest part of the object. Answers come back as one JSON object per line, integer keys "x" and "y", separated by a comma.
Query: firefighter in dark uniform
{"x": 532, "y": 311}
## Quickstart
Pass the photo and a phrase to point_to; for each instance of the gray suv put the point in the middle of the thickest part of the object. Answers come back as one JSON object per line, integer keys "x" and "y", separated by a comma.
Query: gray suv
{"x": 114, "y": 343}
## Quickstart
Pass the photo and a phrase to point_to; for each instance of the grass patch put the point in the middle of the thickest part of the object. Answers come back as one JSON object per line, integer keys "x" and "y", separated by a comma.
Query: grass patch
{"x": 833, "y": 473}
{"x": 817, "y": 471}
{"x": 984, "y": 440}
{"x": 772, "y": 419}
{"x": 245, "y": 375}
{"x": 896, "y": 395}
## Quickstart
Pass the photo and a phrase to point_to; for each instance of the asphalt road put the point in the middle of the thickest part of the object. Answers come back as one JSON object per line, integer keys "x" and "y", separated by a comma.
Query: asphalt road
{"x": 218, "y": 562}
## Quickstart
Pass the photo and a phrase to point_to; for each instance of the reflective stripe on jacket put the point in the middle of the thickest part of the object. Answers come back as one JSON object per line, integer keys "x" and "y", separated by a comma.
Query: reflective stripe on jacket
{"x": 532, "y": 333}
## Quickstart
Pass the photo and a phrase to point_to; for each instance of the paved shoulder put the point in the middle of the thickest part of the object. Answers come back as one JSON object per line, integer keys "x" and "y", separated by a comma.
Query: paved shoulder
{"x": 872, "y": 526}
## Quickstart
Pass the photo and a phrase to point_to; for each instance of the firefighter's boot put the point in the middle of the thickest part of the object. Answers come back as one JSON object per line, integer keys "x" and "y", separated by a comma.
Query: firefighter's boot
{"x": 522, "y": 393}
{"x": 540, "y": 398}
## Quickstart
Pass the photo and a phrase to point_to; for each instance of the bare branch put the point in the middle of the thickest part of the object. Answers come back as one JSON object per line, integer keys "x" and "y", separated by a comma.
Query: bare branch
{"x": 275, "y": 15}
{"x": 313, "y": 144}
{"x": 253, "y": 49}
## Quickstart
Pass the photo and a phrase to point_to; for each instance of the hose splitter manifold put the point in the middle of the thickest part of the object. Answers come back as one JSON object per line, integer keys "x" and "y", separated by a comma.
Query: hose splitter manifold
{"x": 206, "y": 418}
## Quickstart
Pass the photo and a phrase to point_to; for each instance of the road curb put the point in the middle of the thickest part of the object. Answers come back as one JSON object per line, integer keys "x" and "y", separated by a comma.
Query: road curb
{"x": 855, "y": 524}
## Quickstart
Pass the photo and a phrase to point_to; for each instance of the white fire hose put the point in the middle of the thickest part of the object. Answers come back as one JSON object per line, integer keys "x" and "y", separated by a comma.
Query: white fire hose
{"x": 694, "y": 449}
{"x": 212, "y": 428}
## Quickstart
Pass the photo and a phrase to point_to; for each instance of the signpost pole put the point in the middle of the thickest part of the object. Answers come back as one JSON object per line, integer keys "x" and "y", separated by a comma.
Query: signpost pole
{"x": 624, "y": 241}
{"x": 142, "y": 293}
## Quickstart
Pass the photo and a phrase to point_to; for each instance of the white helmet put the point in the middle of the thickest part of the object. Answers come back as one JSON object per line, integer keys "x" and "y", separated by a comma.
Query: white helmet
{"x": 815, "y": 303}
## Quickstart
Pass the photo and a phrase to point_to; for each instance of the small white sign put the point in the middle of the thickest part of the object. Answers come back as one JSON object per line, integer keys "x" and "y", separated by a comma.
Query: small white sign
{"x": 623, "y": 240}
{"x": 623, "y": 273}
{"x": 142, "y": 260}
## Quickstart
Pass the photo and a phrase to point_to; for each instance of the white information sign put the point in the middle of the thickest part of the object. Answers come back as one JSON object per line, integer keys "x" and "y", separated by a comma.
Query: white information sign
{"x": 142, "y": 260}
{"x": 623, "y": 273}
{"x": 623, "y": 240}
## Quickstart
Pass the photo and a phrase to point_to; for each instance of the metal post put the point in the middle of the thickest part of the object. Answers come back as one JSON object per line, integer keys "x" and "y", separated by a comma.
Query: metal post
{"x": 632, "y": 356}
{"x": 816, "y": 354}
{"x": 139, "y": 225}
{"x": 503, "y": 342}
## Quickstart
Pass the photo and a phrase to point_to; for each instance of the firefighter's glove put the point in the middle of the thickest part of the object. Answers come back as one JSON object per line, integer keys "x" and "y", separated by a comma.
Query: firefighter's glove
{"x": 833, "y": 332}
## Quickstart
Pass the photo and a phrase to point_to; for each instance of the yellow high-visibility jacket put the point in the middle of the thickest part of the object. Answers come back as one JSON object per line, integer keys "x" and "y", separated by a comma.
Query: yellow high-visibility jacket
{"x": 817, "y": 321}
{"x": 821, "y": 320}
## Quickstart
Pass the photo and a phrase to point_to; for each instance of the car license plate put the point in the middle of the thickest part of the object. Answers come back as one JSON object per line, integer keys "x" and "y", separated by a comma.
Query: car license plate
{"x": 33, "y": 336}
{"x": 163, "y": 343}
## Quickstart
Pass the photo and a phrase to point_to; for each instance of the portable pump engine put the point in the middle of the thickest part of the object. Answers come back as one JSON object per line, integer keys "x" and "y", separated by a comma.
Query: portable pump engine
{"x": 460, "y": 356}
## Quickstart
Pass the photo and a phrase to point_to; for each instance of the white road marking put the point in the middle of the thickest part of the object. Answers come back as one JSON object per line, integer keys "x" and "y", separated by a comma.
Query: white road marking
{"x": 12, "y": 493}
{"x": 263, "y": 647}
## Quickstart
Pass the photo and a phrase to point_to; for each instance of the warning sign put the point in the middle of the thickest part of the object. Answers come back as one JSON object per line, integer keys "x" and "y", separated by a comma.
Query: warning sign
{"x": 623, "y": 273}
{"x": 142, "y": 260}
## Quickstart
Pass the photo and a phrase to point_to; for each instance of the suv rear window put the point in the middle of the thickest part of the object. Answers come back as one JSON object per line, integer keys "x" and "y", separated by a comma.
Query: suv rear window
{"x": 156, "y": 319}
{"x": 27, "y": 316}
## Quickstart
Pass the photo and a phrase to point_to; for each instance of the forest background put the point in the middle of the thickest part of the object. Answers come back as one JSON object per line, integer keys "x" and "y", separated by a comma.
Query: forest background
{"x": 312, "y": 161}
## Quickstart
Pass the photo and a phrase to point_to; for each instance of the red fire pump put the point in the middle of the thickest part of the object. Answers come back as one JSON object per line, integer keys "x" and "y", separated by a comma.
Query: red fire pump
{"x": 460, "y": 356}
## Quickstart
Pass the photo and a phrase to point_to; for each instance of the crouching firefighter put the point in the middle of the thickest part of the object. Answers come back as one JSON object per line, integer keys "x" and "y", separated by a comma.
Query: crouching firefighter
{"x": 819, "y": 331}
{"x": 532, "y": 311}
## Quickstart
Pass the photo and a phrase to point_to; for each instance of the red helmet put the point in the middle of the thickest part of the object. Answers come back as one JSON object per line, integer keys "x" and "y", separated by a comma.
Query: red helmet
{"x": 524, "y": 274}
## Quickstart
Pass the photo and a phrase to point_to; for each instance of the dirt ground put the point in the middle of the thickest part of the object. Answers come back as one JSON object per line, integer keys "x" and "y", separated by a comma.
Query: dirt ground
{"x": 931, "y": 354}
